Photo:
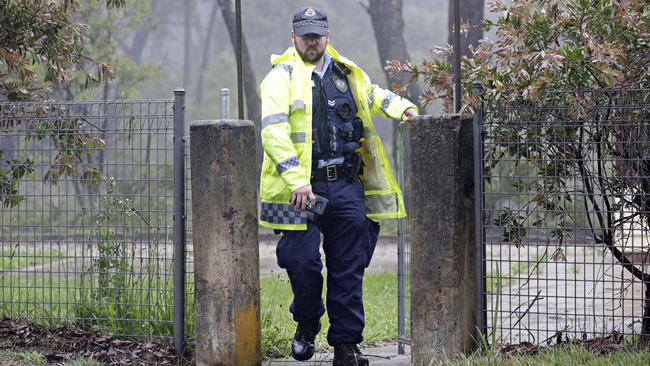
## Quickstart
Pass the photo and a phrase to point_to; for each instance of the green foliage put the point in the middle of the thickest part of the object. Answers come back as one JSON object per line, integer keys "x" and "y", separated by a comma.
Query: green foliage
{"x": 71, "y": 138}
{"x": 109, "y": 295}
{"x": 112, "y": 263}
{"x": 565, "y": 83}
{"x": 22, "y": 358}
{"x": 48, "y": 49}
{"x": 494, "y": 281}
{"x": 513, "y": 226}
{"x": 148, "y": 303}
{"x": 9, "y": 179}
{"x": 563, "y": 88}
{"x": 275, "y": 317}
{"x": 147, "y": 307}
{"x": 109, "y": 33}
{"x": 43, "y": 34}
{"x": 543, "y": 45}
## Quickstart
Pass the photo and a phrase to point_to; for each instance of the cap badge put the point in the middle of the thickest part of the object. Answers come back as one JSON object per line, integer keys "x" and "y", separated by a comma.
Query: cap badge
{"x": 310, "y": 12}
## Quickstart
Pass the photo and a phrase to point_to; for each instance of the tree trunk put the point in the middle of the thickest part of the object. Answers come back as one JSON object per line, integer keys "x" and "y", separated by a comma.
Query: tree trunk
{"x": 141, "y": 38}
{"x": 206, "y": 54}
{"x": 103, "y": 154}
{"x": 604, "y": 217}
{"x": 187, "y": 44}
{"x": 471, "y": 12}
{"x": 250, "y": 83}
{"x": 388, "y": 25}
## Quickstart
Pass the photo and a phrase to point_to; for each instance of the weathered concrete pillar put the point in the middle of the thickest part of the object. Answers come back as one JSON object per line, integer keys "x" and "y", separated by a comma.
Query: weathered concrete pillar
{"x": 442, "y": 237}
{"x": 226, "y": 252}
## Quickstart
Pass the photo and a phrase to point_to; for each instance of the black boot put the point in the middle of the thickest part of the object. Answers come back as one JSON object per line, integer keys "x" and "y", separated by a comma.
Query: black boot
{"x": 349, "y": 355}
{"x": 302, "y": 347}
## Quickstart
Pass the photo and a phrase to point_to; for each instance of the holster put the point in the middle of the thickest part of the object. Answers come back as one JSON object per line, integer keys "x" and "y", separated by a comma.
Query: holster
{"x": 357, "y": 166}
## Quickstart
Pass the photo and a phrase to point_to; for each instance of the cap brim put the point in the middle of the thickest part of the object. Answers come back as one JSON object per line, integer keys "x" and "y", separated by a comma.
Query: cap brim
{"x": 310, "y": 29}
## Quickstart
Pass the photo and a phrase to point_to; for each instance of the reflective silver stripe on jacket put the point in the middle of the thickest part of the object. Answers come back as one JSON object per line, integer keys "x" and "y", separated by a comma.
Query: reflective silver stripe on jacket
{"x": 285, "y": 165}
{"x": 298, "y": 137}
{"x": 371, "y": 98}
{"x": 275, "y": 118}
{"x": 280, "y": 213}
{"x": 297, "y": 104}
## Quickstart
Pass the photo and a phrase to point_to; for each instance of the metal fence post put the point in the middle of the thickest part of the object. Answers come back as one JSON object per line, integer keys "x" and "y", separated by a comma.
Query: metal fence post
{"x": 401, "y": 232}
{"x": 225, "y": 103}
{"x": 480, "y": 310}
{"x": 179, "y": 220}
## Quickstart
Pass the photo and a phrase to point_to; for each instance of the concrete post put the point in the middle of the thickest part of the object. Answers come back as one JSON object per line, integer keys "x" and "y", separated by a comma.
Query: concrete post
{"x": 442, "y": 237}
{"x": 226, "y": 252}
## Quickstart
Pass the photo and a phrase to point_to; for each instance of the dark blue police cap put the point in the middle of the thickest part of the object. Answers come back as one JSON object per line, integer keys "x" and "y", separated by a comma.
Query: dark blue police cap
{"x": 310, "y": 20}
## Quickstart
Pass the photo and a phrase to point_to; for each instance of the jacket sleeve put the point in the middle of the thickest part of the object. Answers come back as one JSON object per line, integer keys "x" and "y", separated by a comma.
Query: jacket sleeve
{"x": 385, "y": 102}
{"x": 276, "y": 130}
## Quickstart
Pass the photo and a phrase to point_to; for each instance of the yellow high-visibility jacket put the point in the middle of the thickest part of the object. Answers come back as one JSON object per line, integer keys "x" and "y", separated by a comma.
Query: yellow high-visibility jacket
{"x": 286, "y": 138}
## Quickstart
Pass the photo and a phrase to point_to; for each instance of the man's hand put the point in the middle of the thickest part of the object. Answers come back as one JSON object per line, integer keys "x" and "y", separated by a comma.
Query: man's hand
{"x": 301, "y": 196}
{"x": 409, "y": 113}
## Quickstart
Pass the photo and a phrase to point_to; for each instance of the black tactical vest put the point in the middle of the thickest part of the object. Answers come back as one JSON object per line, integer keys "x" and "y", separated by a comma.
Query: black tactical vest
{"x": 336, "y": 129}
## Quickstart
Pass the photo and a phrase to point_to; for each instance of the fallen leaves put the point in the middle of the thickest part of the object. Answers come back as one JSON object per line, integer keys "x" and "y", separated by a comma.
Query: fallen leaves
{"x": 64, "y": 343}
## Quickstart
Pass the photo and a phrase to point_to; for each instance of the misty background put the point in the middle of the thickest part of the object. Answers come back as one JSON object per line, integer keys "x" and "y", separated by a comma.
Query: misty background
{"x": 159, "y": 45}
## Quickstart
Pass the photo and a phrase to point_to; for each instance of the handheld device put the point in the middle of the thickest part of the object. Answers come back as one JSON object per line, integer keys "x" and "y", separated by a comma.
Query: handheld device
{"x": 320, "y": 203}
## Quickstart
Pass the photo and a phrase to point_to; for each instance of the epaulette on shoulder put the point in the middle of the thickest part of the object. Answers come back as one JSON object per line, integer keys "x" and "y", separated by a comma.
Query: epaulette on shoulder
{"x": 284, "y": 66}
{"x": 342, "y": 68}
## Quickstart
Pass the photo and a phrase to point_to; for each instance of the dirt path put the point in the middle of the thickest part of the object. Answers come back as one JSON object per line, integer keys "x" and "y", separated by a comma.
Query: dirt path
{"x": 586, "y": 296}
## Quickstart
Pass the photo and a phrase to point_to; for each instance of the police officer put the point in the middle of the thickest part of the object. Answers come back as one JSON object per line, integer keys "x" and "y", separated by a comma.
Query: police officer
{"x": 318, "y": 138}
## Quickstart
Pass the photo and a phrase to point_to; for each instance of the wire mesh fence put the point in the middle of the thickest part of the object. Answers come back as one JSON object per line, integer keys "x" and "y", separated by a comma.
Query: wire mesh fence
{"x": 566, "y": 212}
{"x": 86, "y": 217}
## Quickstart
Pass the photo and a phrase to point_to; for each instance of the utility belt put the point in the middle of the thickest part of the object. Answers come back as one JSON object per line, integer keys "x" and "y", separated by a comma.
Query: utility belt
{"x": 332, "y": 173}
{"x": 350, "y": 170}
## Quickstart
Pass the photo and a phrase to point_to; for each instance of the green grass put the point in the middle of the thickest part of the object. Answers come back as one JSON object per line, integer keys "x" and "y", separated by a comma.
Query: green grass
{"x": 36, "y": 359}
{"x": 12, "y": 259}
{"x": 575, "y": 268}
{"x": 494, "y": 280}
{"x": 21, "y": 358}
{"x": 380, "y": 304}
{"x": 564, "y": 356}
{"x": 83, "y": 362}
{"x": 137, "y": 307}
{"x": 52, "y": 302}
{"x": 527, "y": 268}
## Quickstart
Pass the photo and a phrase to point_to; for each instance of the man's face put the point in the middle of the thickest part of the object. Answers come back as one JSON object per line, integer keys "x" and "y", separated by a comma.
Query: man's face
{"x": 310, "y": 47}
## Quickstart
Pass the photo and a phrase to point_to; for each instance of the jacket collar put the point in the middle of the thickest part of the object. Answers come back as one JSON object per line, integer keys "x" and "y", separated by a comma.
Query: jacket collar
{"x": 292, "y": 55}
